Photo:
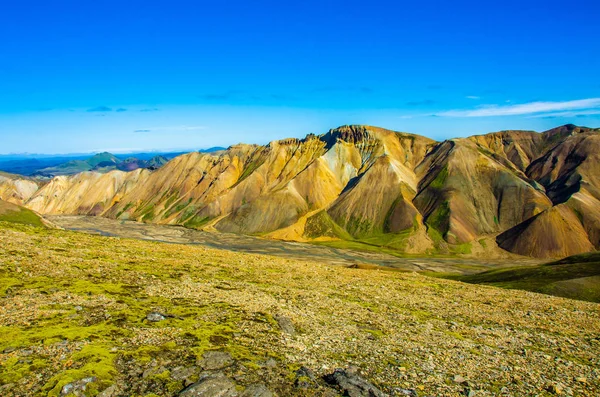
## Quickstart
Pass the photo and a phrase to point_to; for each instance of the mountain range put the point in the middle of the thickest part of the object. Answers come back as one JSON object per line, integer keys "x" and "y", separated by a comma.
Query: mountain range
{"x": 521, "y": 192}
{"x": 50, "y": 165}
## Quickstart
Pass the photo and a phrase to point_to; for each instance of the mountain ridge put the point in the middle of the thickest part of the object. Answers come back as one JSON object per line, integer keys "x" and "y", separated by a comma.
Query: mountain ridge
{"x": 366, "y": 184}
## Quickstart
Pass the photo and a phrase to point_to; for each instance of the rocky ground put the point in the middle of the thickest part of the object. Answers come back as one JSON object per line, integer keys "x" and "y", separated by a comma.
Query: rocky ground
{"x": 91, "y": 315}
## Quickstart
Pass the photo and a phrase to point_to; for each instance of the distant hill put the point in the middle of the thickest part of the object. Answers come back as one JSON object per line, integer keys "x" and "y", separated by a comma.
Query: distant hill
{"x": 46, "y": 166}
{"x": 576, "y": 277}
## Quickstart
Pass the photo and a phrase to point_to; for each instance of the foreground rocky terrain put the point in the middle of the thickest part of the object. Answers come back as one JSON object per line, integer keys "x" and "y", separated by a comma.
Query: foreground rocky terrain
{"x": 528, "y": 193}
{"x": 90, "y": 315}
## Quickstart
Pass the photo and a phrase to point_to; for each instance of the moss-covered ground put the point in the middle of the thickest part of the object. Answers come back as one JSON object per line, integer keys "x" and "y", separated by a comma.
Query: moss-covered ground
{"x": 74, "y": 306}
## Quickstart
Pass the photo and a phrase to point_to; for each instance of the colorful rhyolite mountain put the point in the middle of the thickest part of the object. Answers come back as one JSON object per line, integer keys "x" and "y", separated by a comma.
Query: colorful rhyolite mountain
{"x": 529, "y": 193}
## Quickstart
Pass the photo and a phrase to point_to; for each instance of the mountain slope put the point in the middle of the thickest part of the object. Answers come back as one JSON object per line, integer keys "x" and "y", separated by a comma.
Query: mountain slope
{"x": 13, "y": 213}
{"x": 366, "y": 184}
{"x": 570, "y": 173}
{"x": 16, "y": 188}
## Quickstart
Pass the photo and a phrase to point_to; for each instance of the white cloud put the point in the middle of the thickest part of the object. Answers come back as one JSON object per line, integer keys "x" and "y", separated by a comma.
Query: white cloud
{"x": 473, "y": 97}
{"x": 525, "y": 108}
{"x": 576, "y": 113}
{"x": 176, "y": 128}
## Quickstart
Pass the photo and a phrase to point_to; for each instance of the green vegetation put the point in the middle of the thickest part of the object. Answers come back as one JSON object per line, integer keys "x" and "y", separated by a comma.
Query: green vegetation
{"x": 576, "y": 277}
{"x": 322, "y": 225}
{"x": 250, "y": 167}
{"x": 196, "y": 222}
{"x": 15, "y": 214}
{"x": 110, "y": 309}
{"x": 440, "y": 179}
{"x": 439, "y": 219}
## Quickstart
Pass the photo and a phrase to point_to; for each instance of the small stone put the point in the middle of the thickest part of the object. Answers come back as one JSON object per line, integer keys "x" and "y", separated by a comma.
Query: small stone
{"x": 155, "y": 317}
{"x": 110, "y": 391}
{"x": 581, "y": 379}
{"x": 305, "y": 379}
{"x": 555, "y": 388}
{"x": 257, "y": 390}
{"x": 213, "y": 360}
{"x": 270, "y": 363}
{"x": 9, "y": 349}
{"x": 408, "y": 392}
{"x": 183, "y": 373}
{"x": 458, "y": 379}
{"x": 213, "y": 385}
{"x": 469, "y": 392}
{"x": 352, "y": 384}
{"x": 285, "y": 324}
{"x": 78, "y": 387}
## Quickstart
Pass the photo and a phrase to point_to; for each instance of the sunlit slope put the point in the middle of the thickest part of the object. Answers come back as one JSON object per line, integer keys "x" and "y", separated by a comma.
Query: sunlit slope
{"x": 490, "y": 194}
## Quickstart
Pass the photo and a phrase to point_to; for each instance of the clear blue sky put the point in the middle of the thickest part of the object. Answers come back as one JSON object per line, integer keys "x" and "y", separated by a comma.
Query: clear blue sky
{"x": 80, "y": 76}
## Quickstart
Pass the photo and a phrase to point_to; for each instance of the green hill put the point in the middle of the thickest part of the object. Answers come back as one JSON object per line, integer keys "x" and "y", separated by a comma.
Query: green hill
{"x": 15, "y": 214}
{"x": 576, "y": 277}
{"x": 105, "y": 160}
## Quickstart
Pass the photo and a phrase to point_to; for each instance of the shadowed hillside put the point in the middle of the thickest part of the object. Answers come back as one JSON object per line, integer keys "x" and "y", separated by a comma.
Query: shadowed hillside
{"x": 576, "y": 277}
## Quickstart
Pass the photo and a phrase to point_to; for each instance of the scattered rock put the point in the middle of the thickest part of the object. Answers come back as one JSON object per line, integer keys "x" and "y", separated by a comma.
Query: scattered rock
{"x": 581, "y": 379}
{"x": 110, "y": 391}
{"x": 305, "y": 379}
{"x": 210, "y": 385}
{"x": 285, "y": 324}
{"x": 77, "y": 388}
{"x": 458, "y": 379}
{"x": 9, "y": 349}
{"x": 214, "y": 360}
{"x": 258, "y": 390}
{"x": 469, "y": 392}
{"x": 407, "y": 392}
{"x": 155, "y": 317}
{"x": 352, "y": 384}
{"x": 184, "y": 374}
{"x": 270, "y": 363}
{"x": 555, "y": 388}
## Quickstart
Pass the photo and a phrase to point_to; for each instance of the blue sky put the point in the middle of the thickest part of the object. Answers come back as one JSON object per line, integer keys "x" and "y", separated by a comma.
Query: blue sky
{"x": 79, "y": 76}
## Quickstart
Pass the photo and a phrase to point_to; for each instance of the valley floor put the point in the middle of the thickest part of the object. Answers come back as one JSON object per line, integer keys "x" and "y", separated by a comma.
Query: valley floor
{"x": 291, "y": 250}
{"x": 126, "y": 317}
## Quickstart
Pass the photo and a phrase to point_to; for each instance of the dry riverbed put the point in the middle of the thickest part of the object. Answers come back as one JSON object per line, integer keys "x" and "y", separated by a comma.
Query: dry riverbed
{"x": 291, "y": 250}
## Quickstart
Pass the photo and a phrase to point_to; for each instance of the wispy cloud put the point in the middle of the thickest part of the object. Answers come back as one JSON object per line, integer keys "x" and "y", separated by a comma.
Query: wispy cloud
{"x": 473, "y": 97}
{"x": 100, "y": 109}
{"x": 176, "y": 128}
{"x": 149, "y": 110}
{"x": 577, "y": 113}
{"x": 120, "y": 110}
{"x": 531, "y": 108}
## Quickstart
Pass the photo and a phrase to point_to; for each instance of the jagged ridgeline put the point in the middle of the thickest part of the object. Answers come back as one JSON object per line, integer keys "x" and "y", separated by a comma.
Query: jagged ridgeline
{"x": 528, "y": 193}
